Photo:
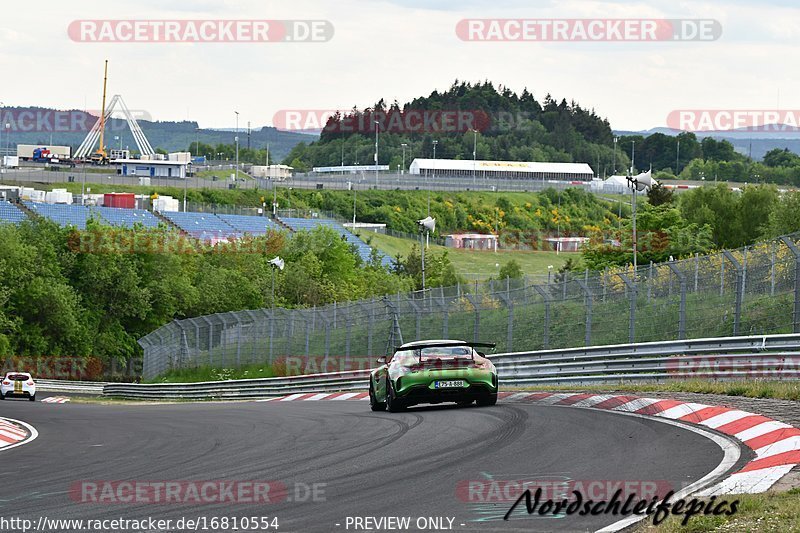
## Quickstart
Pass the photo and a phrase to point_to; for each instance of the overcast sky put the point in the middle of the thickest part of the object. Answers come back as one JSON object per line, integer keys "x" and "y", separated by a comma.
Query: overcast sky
{"x": 399, "y": 49}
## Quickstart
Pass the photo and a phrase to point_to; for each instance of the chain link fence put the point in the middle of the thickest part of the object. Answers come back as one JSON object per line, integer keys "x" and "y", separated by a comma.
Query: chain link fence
{"x": 750, "y": 291}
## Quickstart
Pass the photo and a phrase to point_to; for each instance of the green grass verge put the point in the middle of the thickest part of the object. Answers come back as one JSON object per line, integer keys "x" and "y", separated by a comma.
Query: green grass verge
{"x": 474, "y": 264}
{"x": 205, "y": 373}
{"x": 776, "y": 512}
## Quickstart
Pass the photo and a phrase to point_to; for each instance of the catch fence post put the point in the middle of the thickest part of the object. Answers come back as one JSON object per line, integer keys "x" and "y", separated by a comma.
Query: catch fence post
{"x": 682, "y": 310}
{"x": 737, "y": 316}
{"x": 796, "y": 312}
{"x": 588, "y": 302}
{"x": 632, "y": 293}
{"x": 546, "y": 297}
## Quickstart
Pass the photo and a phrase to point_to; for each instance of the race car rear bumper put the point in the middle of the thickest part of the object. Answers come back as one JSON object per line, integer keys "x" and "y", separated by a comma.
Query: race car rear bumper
{"x": 422, "y": 394}
{"x": 23, "y": 394}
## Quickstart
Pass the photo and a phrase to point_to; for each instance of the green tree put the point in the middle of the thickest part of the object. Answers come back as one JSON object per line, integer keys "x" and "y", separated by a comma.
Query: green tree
{"x": 659, "y": 195}
{"x": 511, "y": 269}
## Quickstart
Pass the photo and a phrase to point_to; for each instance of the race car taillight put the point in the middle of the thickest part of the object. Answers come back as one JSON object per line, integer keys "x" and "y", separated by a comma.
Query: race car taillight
{"x": 6, "y": 383}
{"x": 30, "y": 382}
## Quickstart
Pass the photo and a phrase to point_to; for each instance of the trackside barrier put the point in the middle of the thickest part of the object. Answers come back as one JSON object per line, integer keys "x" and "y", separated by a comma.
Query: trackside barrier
{"x": 77, "y": 387}
{"x": 728, "y": 358}
{"x": 775, "y": 357}
{"x": 245, "y": 389}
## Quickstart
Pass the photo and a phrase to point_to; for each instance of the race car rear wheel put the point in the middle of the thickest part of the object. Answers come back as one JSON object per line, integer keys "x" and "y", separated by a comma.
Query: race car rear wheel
{"x": 32, "y": 398}
{"x": 490, "y": 400}
{"x": 374, "y": 404}
{"x": 2, "y": 396}
{"x": 392, "y": 403}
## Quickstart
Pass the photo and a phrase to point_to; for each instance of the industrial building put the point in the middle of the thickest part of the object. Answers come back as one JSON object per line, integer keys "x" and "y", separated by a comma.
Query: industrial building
{"x": 273, "y": 172}
{"x": 471, "y": 241}
{"x": 151, "y": 169}
{"x": 530, "y": 170}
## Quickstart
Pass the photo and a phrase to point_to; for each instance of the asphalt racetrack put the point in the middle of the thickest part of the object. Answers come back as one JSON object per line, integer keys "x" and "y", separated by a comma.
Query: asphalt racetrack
{"x": 337, "y": 459}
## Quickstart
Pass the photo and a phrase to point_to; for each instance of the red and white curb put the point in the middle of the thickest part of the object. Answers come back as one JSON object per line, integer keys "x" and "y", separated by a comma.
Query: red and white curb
{"x": 316, "y": 396}
{"x": 55, "y": 399}
{"x": 15, "y": 433}
{"x": 776, "y": 445}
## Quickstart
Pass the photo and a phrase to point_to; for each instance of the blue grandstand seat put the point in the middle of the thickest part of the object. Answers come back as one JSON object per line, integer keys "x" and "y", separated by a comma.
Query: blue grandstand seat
{"x": 126, "y": 218}
{"x": 9, "y": 213}
{"x": 62, "y": 214}
{"x": 308, "y": 224}
{"x": 202, "y": 225}
{"x": 77, "y": 215}
{"x": 250, "y": 224}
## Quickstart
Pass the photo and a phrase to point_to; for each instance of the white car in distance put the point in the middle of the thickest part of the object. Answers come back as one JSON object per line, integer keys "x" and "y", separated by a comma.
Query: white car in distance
{"x": 18, "y": 384}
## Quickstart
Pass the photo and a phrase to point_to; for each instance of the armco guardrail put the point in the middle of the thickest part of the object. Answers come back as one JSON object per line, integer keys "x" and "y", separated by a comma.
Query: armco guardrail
{"x": 77, "y": 387}
{"x": 245, "y": 389}
{"x": 759, "y": 357}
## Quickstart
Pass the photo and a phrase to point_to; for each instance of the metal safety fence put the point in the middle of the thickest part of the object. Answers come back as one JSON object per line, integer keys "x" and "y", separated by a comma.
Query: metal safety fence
{"x": 750, "y": 291}
{"x": 768, "y": 357}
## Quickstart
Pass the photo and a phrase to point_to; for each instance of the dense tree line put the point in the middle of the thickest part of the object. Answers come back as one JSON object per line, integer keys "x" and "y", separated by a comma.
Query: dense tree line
{"x": 511, "y": 126}
{"x": 64, "y": 292}
{"x": 698, "y": 221}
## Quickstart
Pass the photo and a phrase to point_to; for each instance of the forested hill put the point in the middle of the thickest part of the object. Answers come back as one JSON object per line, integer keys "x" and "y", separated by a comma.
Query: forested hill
{"x": 509, "y": 126}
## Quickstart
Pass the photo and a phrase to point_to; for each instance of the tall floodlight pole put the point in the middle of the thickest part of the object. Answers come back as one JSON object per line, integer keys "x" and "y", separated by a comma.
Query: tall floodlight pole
{"x": 633, "y": 155}
{"x": 404, "y": 145}
{"x": 474, "y": 157}
{"x": 633, "y": 218}
{"x": 677, "y": 156}
{"x": 277, "y": 264}
{"x": 376, "y": 153}
{"x": 426, "y": 225}
{"x": 615, "y": 155}
{"x": 2, "y": 159}
{"x": 637, "y": 185}
{"x": 355, "y": 192}
{"x": 237, "y": 145}
{"x": 434, "y": 176}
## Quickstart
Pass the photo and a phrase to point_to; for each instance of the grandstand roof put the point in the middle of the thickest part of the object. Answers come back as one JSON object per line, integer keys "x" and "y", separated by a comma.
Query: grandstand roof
{"x": 419, "y": 165}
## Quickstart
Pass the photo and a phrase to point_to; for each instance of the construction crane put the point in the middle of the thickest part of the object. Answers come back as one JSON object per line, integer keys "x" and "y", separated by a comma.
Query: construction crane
{"x": 100, "y": 157}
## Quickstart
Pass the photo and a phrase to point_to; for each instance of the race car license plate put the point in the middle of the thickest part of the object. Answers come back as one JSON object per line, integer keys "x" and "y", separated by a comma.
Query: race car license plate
{"x": 453, "y": 384}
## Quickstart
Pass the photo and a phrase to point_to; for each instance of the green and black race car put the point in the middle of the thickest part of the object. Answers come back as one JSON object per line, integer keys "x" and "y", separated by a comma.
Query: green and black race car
{"x": 433, "y": 371}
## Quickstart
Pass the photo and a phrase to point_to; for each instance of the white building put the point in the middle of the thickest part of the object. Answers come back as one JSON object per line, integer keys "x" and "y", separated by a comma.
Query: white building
{"x": 531, "y": 170}
{"x": 151, "y": 168}
{"x": 273, "y": 172}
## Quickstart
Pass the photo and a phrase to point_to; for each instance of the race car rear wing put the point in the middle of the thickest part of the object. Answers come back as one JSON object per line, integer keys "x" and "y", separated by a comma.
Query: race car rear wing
{"x": 490, "y": 345}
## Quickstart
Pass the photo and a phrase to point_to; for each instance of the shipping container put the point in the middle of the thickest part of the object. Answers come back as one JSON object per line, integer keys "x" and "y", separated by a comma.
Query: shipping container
{"x": 120, "y": 199}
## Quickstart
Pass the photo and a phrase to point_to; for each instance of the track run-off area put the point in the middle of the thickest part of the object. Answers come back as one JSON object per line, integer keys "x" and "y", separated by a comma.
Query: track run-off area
{"x": 336, "y": 466}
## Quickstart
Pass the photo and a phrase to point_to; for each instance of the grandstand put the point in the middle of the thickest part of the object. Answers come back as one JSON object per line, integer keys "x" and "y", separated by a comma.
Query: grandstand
{"x": 126, "y": 218}
{"x": 202, "y": 225}
{"x": 9, "y": 213}
{"x": 62, "y": 214}
{"x": 308, "y": 224}
{"x": 250, "y": 224}
{"x": 77, "y": 215}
